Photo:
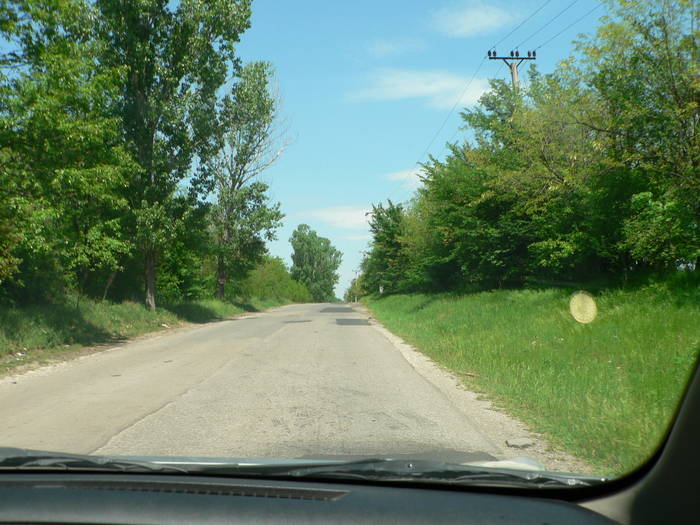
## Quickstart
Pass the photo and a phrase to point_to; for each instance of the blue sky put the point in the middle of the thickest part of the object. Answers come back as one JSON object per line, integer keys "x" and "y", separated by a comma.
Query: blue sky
{"x": 366, "y": 85}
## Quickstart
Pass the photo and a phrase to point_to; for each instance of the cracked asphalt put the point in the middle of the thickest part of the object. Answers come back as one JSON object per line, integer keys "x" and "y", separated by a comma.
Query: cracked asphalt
{"x": 301, "y": 381}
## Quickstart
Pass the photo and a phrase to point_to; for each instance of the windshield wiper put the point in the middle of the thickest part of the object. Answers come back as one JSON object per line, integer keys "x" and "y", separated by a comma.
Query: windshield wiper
{"x": 382, "y": 470}
{"x": 25, "y": 459}
{"x": 406, "y": 470}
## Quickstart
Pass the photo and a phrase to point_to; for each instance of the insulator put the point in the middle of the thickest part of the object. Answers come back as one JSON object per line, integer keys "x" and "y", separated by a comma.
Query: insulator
{"x": 517, "y": 53}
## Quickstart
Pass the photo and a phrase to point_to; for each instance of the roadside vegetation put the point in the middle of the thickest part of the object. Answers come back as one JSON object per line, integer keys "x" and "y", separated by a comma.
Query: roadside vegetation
{"x": 130, "y": 160}
{"x": 130, "y": 165}
{"x": 604, "y": 391}
{"x": 583, "y": 178}
{"x": 61, "y": 327}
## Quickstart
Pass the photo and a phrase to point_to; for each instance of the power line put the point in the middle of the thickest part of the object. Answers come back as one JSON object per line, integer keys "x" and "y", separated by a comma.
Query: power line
{"x": 548, "y": 23}
{"x": 471, "y": 80}
{"x": 442, "y": 126}
{"x": 444, "y": 122}
{"x": 521, "y": 23}
{"x": 570, "y": 25}
{"x": 469, "y": 83}
{"x": 454, "y": 135}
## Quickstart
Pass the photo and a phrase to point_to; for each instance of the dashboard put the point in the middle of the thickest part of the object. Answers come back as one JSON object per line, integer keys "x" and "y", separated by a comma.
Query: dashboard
{"x": 132, "y": 499}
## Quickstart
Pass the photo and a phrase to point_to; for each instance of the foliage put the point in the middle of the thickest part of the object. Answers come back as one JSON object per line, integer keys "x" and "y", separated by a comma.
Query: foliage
{"x": 587, "y": 173}
{"x": 271, "y": 280}
{"x": 114, "y": 131}
{"x": 64, "y": 165}
{"x": 242, "y": 219}
{"x": 175, "y": 58}
{"x": 314, "y": 263}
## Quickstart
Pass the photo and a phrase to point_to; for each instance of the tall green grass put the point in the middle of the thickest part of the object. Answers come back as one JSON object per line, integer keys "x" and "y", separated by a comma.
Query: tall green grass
{"x": 40, "y": 332}
{"x": 605, "y": 392}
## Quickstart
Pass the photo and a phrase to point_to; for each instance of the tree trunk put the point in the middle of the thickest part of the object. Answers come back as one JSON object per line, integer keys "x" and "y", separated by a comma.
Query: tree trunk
{"x": 110, "y": 280}
{"x": 221, "y": 278}
{"x": 151, "y": 279}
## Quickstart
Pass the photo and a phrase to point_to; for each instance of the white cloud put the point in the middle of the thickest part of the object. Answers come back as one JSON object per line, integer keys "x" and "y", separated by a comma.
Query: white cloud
{"x": 471, "y": 18}
{"x": 409, "y": 179}
{"x": 383, "y": 48}
{"x": 440, "y": 89}
{"x": 344, "y": 217}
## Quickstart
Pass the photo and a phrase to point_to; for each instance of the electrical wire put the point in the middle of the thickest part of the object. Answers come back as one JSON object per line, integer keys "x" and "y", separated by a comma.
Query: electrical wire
{"x": 454, "y": 106}
{"x": 471, "y": 80}
{"x": 454, "y": 135}
{"x": 521, "y": 23}
{"x": 444, "y": 122}
{"x": 548, "y": 23}
{"x": 569, "y": 26}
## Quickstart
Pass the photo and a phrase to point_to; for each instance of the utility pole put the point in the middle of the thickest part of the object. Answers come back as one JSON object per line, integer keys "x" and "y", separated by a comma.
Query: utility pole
{"x": 513, "y": 61}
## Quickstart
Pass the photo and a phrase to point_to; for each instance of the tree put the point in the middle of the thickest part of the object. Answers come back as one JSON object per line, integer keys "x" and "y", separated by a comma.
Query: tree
{"x": 315, "y": 263}
{"x": 175, "y": 58}
{"x": 242, "y": 218}
{"x": 643, "y": 65}
{"x": 386, "y": 266}
{"x": 64, "y": 164}
{"x": 271, "y": 279}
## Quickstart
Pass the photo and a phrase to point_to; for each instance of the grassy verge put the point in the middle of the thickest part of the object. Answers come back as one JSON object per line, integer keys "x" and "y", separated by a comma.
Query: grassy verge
{"x": 604, "y": 391}
{"x": 41, "y": 333}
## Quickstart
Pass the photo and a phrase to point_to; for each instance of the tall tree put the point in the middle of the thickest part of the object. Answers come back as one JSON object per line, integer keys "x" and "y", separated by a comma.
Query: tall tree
{"x": 175, "y": 56}
{"x": 315, "y": 263}
{"x": 242, "y": 217}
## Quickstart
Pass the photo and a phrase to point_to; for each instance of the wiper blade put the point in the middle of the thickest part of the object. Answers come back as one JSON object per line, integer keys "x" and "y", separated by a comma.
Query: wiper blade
{"x": 406, "y": 470}
{"x": 25, "y": 459}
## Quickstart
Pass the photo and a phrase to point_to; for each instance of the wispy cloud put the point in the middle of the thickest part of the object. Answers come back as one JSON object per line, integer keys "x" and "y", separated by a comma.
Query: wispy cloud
{"x": 440, "y": 89}
{"x": 472, "y": 18}
{"x": 382, "y": 48}
{"x": 344, "y": 217}
{"x": 409, "y": 179}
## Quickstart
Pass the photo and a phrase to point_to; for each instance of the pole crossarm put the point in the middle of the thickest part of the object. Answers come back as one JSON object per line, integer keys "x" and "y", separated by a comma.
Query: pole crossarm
{"x": 513, "y": 61}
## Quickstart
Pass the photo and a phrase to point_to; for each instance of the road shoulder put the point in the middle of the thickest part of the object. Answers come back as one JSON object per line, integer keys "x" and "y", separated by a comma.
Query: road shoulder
{"x": 493, "y": 423}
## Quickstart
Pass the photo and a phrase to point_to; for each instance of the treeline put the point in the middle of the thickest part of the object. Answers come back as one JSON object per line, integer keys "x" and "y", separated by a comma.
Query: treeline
{"x": 589, "y": 173}
{"x": 131, "y": 140}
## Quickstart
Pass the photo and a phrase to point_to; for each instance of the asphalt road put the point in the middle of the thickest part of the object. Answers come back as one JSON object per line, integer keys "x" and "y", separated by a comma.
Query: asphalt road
{"x": 300, "y": 381}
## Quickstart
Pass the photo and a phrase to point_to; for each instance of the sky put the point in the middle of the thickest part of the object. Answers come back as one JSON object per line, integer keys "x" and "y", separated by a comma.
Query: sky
{"x": 367, "y": 90}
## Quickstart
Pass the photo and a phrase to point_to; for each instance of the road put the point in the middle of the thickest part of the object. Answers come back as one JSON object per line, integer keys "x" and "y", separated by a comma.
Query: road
{"x": 316, "y": 380}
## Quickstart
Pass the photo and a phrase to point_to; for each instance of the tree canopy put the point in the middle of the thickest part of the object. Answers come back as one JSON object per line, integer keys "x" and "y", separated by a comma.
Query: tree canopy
{"x": 315, "y": 263}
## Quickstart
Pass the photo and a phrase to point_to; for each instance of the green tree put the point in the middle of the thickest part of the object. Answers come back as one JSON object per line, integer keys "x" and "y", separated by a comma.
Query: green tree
{"x": 64, "y": 165}
{"x": 643, "y": 65}
{"x": 385, "y": 267}
{"x": 242, "y": 217}
{"x": 270, "y": 279}
{"x": 314, "y": 263}
{"x": 242, "y": 220}
{"x": 175, "y": 57}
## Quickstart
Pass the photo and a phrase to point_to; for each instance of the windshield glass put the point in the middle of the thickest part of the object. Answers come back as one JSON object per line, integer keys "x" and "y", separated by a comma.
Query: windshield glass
{"x": 455, "y": 240}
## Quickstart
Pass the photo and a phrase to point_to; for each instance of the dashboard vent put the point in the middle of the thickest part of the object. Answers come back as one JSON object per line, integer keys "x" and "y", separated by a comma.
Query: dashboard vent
{"x": 211, "y": 489}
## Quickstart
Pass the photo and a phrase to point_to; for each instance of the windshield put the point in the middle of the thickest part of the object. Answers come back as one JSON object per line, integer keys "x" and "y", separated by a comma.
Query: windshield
{"x": 454, "y": 241}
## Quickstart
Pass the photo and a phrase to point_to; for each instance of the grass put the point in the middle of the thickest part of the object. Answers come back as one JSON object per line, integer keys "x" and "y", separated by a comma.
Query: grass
{"x": 42, "y": 333}
{"x": 605, "y": 391}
